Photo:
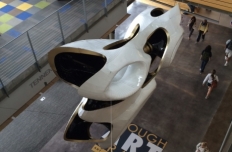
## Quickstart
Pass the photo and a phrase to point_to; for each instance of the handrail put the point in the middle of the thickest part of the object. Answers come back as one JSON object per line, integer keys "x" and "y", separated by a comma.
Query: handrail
{"x": 30, "y": 41}
{"x": 226, "y": 137}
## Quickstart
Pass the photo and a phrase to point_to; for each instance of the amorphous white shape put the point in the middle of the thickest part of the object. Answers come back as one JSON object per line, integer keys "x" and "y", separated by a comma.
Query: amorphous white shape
{"x": 170, "y": 21}
{"x": 122, "y": 113}
{"x": 42, "y": 99}
{"x": 127, "y": 67}
{"x": 125, "y": 71}
{"x": 134, "y": 96}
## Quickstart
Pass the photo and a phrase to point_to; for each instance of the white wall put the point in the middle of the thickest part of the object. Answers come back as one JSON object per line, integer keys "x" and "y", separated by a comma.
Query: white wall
{"x": 33, "y": 85}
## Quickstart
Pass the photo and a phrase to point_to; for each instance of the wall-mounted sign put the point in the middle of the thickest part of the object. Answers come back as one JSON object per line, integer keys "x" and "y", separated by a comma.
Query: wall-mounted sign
{"x": 40, "y": 78}
{"x": 135, "y": 139}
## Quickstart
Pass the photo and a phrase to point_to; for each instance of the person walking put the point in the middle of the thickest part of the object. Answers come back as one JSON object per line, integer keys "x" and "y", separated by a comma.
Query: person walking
{"x": 212, "y": 81}
{"x": 228, "y": 51}
{"x": 203, "y": 29}
{"x": 191, "y": 8}
{"x": 206, "y": 54}
{"x": 191, "y": 22}
{"x": 202, "y": 147}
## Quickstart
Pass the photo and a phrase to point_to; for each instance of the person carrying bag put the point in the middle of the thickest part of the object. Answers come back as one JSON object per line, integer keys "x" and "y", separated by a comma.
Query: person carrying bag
{"x": 212, "y": 82}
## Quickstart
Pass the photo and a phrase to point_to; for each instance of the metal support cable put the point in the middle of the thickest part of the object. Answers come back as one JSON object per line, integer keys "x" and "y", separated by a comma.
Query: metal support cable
{"x": 85, "y": 16}
{"x": 61, "y": 29}
{"x": 105, "y": 9}
{"x": 226, "y": 136}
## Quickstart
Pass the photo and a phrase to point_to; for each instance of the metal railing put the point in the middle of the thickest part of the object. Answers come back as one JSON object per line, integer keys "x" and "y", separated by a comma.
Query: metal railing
{"x": 24, "y": 51}
{"x": 225, "y": 140}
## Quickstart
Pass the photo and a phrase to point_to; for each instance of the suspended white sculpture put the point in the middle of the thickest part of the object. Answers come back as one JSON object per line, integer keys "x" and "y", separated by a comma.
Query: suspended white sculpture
{"x": 113, "y": 75}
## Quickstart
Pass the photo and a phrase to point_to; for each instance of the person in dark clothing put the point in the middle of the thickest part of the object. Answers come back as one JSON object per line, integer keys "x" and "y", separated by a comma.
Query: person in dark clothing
{"x": 191, "y": 22}
{"x": 206, "y": 55}
{"x": 192, "y": 7}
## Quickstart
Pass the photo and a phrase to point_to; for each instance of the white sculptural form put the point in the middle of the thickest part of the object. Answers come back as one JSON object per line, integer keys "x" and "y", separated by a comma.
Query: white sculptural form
{"x": 114, "y": 76}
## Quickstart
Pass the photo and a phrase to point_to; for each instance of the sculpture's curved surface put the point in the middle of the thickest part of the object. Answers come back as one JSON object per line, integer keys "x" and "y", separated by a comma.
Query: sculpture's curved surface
{"x": 114, "y": 76}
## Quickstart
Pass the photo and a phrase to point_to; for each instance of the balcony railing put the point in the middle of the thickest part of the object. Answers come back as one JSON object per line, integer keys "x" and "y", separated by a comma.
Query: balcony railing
{"x": 27, "y": 49}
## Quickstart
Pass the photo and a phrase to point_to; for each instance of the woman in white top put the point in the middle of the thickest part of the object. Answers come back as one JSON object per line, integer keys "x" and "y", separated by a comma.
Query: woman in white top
{"x": 228, "y": 51}
{"x": 212, "y": 81}
{"x": 202, "y": 147}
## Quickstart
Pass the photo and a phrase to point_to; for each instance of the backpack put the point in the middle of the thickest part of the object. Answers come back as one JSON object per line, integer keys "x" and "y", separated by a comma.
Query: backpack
{"x": 229, "y": 45}
{"x": 214, "y": 84}
{"x": 205, "y": 56}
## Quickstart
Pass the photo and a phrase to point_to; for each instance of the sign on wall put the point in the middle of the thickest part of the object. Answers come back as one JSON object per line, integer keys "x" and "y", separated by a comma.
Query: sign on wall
{"x": 135, "y": 139}
{"x": 41, "y": 77}
{"x": 25, "y": 92}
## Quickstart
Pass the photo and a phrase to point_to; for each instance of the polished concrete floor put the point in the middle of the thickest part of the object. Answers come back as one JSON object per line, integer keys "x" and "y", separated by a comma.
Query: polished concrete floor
{"x": 177, "y": 111}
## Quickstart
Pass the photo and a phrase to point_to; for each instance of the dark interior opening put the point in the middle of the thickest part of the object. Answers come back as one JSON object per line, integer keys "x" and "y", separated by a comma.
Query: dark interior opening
{"x": 78, "y": 129}
{"x": 76, "y": 68}
{"x": 82, "y": 130}
{"x": 92, "y": 104}
{"x": 157, "y": 43}
{"x": 157, "y": 12}
{"x": 155, "y": 47}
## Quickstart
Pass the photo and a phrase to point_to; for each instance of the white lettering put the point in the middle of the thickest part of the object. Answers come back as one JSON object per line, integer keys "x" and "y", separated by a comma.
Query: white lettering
{"x": 130, "y": 143}
{"x": 116, "y": 142}
{"x": 153, "y": 148}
